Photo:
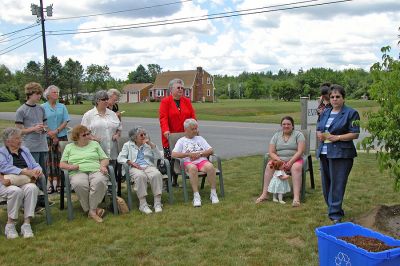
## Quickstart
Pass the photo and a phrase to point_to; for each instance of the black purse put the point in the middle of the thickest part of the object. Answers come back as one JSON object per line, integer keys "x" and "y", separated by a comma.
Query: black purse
{"x": 161, "y": 166}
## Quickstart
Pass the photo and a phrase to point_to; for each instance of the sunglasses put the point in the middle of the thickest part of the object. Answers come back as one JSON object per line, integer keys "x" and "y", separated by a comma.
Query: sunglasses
{"x": 335, "y": 97}
{"x": 104, "y": 99}
{"x": 87, "y": 134}
{"x": 179, "y": 88}
{"x": 143, "y": 134}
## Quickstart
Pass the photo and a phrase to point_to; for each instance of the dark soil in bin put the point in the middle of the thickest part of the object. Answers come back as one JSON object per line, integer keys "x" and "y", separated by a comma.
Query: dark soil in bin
{"x": 370, "y": 244}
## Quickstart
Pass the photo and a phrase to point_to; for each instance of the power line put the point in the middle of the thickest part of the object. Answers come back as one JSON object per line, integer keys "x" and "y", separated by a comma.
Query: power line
{"x": 192, "y": 19}
{"x": 20, "y": 46}
{"x": 16, "y": 38}
{"x": 16, "y": 31}
{"x": 121, "y": 11}
{"x": 15, "y": 44}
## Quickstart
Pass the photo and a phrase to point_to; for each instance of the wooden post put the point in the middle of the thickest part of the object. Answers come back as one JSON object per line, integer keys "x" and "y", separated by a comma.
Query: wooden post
{"x": 303, "y": 102}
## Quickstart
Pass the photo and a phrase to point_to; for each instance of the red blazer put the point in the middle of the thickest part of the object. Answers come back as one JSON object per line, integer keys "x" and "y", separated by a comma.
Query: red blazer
{"x": 171, "y": 118}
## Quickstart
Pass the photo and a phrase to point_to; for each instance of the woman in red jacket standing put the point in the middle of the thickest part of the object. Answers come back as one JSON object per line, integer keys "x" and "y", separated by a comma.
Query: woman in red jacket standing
{"x": 174, "y": 110}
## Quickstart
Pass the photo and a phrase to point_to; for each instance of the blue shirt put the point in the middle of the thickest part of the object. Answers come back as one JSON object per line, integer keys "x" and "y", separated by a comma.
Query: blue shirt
{"x": 140, "y": 158}
{"x": 56, "y": 116}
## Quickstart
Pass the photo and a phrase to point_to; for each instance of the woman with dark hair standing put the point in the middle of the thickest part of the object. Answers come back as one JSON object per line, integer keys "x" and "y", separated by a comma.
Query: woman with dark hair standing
{"x": 336, "y": 130}
{"x": 174, "y": 110}
{"x": 287, "y": 145}
{"x": 324, "y": 99}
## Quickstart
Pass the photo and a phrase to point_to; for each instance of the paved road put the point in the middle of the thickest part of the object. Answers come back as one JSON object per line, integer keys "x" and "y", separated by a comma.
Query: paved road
{"x": 229, "y": 139}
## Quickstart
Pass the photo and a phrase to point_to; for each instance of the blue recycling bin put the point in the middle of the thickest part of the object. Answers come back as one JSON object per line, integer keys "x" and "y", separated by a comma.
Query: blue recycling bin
{"x": 337, "y": 252}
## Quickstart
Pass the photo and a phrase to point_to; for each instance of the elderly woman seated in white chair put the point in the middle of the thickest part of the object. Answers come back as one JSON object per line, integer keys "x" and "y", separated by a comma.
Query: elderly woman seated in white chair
{"x": 141, "y": 155}
{"x": 19, "y": 172}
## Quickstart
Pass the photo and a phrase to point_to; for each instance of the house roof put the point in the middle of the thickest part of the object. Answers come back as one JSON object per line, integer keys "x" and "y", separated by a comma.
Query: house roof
{"x": 136, "y": 87}
{"x": 188, "y": 77}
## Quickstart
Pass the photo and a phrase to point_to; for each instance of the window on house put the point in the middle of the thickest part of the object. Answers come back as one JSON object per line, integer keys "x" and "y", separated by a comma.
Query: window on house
{"x": 187, "y": 93}
{"x": 208, "y": 92}
{"x": 208, "y": 80}
{"x": 151, "y": 93}
{"x": 160, "y": 93}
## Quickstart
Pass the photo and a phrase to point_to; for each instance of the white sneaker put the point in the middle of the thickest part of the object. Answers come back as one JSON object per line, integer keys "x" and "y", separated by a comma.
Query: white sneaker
{"x": 145, "y": 209}
{"x": 157, "y": 207}
{"x": 26, "y": 231}
{"x": 214, "y": 198}
{"x": 197, "y": 201}
{"x": 10, "y": 231}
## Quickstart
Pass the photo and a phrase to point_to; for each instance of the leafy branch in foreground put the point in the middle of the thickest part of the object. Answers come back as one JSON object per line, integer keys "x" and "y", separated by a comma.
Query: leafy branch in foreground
{"x": 384, "y": 125}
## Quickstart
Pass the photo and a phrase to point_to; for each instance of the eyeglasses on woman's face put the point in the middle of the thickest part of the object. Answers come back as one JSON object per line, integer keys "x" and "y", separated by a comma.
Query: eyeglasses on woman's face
{"x": 86, "y": 134}
{"x": 143, "y": 134}
{"x": 179, "y": 88}
{"x": 335, "y": 97}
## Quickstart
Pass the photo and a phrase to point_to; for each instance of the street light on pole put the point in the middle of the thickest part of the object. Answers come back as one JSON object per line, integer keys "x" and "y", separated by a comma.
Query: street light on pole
{"x": 38, "y": 11}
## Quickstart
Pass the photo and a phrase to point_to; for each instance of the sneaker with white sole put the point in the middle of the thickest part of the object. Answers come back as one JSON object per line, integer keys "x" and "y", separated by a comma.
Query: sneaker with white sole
{"x": 10, "y": 231}
{"x": 145, "y": 209}
{"x": 157, "y": 207}
{"x": 214, "y": 198}
{"x": 26, "y": 231}
{"x": 196, "y": 201}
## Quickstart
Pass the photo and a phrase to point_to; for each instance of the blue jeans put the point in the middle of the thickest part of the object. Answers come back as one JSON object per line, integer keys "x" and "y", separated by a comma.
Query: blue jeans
{"x": 334, "y": 176}
{"x": 41, "y": 159}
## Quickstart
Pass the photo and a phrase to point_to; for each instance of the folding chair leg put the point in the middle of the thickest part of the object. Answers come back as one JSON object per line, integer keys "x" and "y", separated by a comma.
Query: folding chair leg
{"x": 69, "y": 200}
{"x": 128, "y": 185}
{"x": 169, "y": 182}
{"x": 46, "y": 200}
{"x": 185, "y": 193}
{"x": 114, "y": 188}
{"x": 311, "y": 170}
{"x": 303, "y": 185}
{"x": 62, "y": 202}
{"x": 221, "y": 185}
{"x": 203, "y": 180}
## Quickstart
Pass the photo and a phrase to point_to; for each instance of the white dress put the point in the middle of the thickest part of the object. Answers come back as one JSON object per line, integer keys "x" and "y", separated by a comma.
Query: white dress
{"x": 278, "y": 185}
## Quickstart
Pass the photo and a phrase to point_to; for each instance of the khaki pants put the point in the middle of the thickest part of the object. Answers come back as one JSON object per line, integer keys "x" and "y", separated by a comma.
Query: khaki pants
{"x": 141, "y": 178}
{"x": 90, "y": 189}
{"x": 15, "y": 196}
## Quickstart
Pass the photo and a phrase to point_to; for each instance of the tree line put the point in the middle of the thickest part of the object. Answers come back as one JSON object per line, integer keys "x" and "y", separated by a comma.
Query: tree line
{"x": 73, "y": 79}
{"x": 288, "y": 86}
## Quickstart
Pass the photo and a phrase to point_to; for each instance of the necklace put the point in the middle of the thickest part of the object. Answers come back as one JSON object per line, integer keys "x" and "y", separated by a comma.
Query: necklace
{"x": 285, "y": 138}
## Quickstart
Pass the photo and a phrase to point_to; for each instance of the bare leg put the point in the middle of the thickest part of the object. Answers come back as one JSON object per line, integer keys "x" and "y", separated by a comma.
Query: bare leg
{"x": 211, "y": 174}
{"x": 274, "y": 198}
{"x": 296, "y": 171}
{"x": 194, "y": 177}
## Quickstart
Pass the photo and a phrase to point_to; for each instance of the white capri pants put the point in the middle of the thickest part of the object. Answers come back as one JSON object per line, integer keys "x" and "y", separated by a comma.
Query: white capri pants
{"x": 26, "y": 194}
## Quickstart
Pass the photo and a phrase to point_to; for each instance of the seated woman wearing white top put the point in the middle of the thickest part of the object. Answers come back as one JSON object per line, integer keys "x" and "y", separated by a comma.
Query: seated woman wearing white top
{"x": 141, "y": 155}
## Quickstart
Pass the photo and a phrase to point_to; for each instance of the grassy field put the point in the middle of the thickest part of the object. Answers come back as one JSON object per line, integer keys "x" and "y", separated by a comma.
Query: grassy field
{"x": 234, "y": 232}
{"x": 260, "y": 111}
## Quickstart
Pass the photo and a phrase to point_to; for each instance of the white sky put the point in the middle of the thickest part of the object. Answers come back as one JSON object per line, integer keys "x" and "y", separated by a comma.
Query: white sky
{"x": 338, "y": 36}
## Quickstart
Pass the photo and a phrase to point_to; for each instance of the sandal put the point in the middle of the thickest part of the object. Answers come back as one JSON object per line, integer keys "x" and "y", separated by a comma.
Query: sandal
{"x": 261, "y": 199}
{"x": 100, "y": 212}
{"x": 50, "y": 190}
{"x": 296, "y": 203}
{"x": 58, "y": 189}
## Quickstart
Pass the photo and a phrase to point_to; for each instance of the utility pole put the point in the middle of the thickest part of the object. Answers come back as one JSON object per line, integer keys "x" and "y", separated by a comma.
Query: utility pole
{"x": 38, "y": 11}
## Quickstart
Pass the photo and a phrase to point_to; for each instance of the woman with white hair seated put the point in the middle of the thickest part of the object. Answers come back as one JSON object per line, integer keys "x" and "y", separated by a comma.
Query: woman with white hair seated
{"x": 141, "y": 155}
{"x": 19, "y": 172}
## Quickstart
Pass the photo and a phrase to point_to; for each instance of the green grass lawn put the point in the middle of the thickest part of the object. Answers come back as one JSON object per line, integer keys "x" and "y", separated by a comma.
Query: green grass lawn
{"x": 234, "y": 232}
{"x": 259, "y": 111}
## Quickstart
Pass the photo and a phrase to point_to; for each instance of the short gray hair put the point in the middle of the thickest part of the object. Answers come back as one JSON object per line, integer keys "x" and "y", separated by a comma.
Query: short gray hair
{"x": 173, "y": 81}
{"x": 112, "y": 92}
{"x": 99, "y": 95}
{"x": 10, "y": 132}
{"x": 48, "y": 90}
{"x": 190, "y": 122}
{"x": 134, "y": 132}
